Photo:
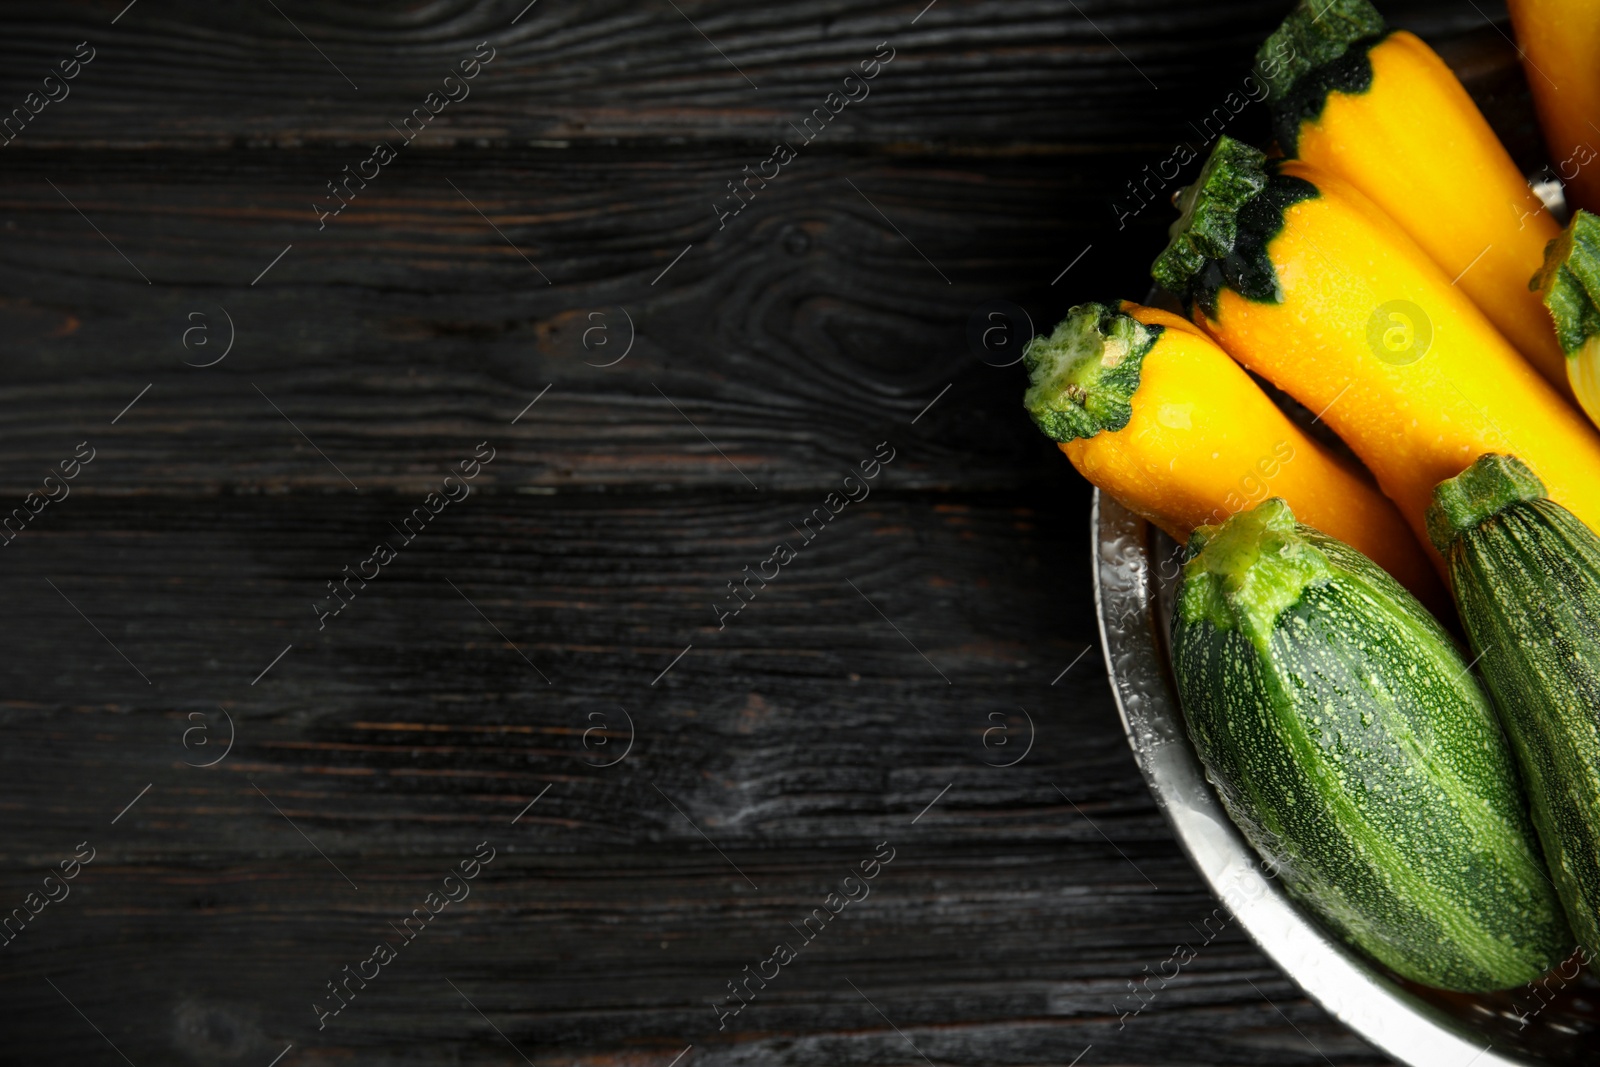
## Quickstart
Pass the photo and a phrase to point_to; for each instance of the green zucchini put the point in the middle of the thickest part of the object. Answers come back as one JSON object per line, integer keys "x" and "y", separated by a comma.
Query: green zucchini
{"x": 1526, "y": 575}
{"x": 1357, "y": 752}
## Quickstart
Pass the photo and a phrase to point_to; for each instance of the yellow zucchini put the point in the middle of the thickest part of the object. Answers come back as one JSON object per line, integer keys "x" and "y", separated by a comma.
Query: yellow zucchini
{"x": 1380, "y": 109}
{"x": 1149, "y": 409}
{"x": 1559, "y": 41}
{"x": 1306, "y": 282}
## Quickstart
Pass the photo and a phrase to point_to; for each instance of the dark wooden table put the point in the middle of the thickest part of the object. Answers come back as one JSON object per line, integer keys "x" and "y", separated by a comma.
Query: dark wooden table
{"x": 543, "y": 673}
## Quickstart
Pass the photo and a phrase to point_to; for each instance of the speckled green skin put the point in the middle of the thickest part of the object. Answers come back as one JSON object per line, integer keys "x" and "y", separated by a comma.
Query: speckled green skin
{"x": 1356, "y": 751}
{"x": 1526, "y": 573}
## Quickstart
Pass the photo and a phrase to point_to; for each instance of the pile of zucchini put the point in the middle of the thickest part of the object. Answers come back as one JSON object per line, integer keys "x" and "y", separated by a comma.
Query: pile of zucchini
{"x": 1389, "y": 268}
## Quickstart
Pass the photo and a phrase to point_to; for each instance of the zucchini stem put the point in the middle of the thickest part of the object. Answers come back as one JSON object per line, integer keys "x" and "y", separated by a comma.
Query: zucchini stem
{"x": 1234, "y": 208}
{"x": 1320, "y": 48}
{"x": 1083, "y": 376}
{"x": 1243, "y": 574}
{"x": 1479, "y": 493}
{"x": 1569, "y": 285}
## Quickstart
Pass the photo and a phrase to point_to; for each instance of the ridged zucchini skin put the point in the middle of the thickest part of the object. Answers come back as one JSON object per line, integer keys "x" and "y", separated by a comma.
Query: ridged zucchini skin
{"x": 1355, "y": 749}
{"x": 1526, "y": 575}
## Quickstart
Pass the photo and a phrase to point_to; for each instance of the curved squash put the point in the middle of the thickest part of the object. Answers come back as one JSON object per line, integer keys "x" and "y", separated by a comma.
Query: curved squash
{"x": 1149, "y": 409}
{"x": 1527, "y": 577}
{"x": 1357, "y": 752}
{"x": 1380, "y": 110}
{"x": 1307, "y": 283}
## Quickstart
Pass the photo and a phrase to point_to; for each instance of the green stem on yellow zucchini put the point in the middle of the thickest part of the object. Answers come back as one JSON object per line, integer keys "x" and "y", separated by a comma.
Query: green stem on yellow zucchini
{"x": 1569, "y": 284}
{"x": 1084, "y": 374}
{"x": 1321, "y": 47}
{"x": 1228, "y": 216}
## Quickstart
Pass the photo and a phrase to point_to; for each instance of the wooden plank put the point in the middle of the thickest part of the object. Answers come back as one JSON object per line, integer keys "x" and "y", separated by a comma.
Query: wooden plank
{"x": 599, "y": 595}
{"x": 608, "y": 962}
{"x": 410, "y": 329}
{"x": 407, "y": 731}
{"x": 983, "y": 72}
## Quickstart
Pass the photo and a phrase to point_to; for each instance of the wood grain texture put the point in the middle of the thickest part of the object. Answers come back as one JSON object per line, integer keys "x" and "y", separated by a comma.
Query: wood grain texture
{"x": 409, "y": 325}
{"x": 796, "y": 739}
{"x": 855, "y": 699}
{"x": 1037, "y": 75}
{"x": 1063, "y": 75}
